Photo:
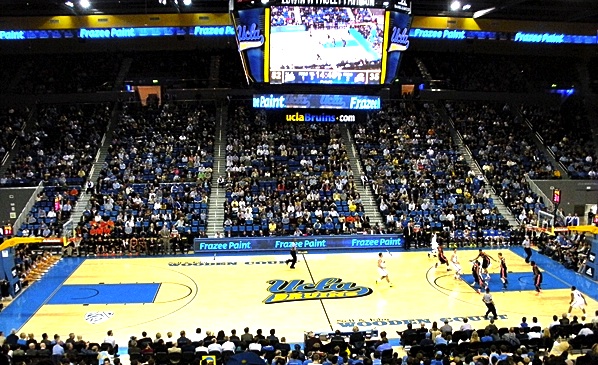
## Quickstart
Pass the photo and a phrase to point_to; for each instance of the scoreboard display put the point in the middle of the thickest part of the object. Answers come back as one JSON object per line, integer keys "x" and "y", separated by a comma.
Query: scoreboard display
{"x": 325, "y": 42}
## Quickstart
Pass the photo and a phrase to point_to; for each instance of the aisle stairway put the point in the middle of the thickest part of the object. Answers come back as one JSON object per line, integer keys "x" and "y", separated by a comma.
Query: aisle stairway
{"x": 218, "y": 194}
{"x": 98, "y": 163}
{"x": 540, "y": 144}
{"x": 368, "y": 200}
{"x": 475, "y": 167}
{"x": 122, "y": 73}
{"x": 590, "y": 98}
{"x": 17, "y": 145}
{"x": 214, "y": 71}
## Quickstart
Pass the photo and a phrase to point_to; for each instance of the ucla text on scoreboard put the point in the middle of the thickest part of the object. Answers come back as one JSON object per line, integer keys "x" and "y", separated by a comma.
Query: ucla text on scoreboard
{"x": 314, "y": 101}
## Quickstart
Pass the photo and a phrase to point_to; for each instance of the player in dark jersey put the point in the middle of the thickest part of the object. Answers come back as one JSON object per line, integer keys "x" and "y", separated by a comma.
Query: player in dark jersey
{"x": 476, "y": 271}
{"x": 441, "y": 258}
{"x": 485, "y": 262}
{"x": 537, "y": 277}
{"x": 503, "y": 271}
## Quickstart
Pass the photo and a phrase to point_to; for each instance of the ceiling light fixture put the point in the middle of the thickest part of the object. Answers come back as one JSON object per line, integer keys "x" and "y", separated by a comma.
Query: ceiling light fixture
{"x": 455, "y": 5}
{"x": 481, "y": 13}
{"x": 84, "y": 4}
{"x": 186, "y": 2}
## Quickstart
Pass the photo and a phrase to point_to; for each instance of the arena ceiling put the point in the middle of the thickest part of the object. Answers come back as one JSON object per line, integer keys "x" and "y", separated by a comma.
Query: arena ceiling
{"x": 585, "y": 11}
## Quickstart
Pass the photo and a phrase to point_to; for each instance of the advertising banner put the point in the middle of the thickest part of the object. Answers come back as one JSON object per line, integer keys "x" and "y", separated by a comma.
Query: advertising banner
{"x": 591, "y": 267}
{"x": 306, "y": 101}
{"x": 242, "y": 244}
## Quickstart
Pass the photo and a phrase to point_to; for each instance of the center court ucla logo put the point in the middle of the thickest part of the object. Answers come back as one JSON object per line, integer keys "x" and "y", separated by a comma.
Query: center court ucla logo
{"x": 399, "y": 40}
{"x": 329, "y": 288}
{"x": 98, "y": 317}
{"x": 249, "y": 37}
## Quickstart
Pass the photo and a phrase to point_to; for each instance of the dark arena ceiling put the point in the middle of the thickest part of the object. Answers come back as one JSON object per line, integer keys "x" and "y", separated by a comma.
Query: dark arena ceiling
{"x": 584, "y": 11}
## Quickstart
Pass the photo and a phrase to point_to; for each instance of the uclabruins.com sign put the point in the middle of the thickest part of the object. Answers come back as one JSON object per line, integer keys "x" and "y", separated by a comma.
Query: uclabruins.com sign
{"x": 329, "y": 288}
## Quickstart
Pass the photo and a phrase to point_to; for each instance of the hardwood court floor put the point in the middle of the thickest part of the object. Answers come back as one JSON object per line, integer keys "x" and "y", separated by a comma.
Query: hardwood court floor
{"x": 226, "y": 292}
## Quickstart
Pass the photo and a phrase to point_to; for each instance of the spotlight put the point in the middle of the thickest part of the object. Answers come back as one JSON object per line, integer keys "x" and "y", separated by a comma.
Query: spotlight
{"x": 455, "y": 5}
{"x": 186, "y": 2}
{"x": 69, "y": 4}
{"x": 481, "y": 13}
{"x": 84, "y": 4}
{"x": 466, "y": 7}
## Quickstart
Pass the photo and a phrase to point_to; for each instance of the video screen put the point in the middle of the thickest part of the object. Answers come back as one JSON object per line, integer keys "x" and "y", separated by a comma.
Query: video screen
{"x": 319, "y": 45}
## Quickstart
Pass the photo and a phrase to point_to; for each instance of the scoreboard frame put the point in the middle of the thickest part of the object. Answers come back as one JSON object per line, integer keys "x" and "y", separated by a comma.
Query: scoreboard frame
{"x": 252, "y": 23}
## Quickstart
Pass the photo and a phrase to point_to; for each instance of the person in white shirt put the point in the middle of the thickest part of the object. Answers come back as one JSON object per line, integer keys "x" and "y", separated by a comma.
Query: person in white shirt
{"x": 111, "y": 340}
{"x": 577, "y": 301}
{"x": 466, "y": 326}
{"x": 586, "y": 331}
{"x": 255, "y": 346}
{"x": 228, "y": 345}
{"x": 555, "y": 322}
{"x": 214, "y": 346}
{"x": 196, "y": 337}
{"x": 532, "y": 334}
{"x": 433, "y": 245}
{"x": 456, "y": 265}
{"x": 201, "y": 348}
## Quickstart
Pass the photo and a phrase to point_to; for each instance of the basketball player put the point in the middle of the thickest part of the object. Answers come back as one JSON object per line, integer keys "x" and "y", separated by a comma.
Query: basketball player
{"x": 537, "y": 277}
{"x": 485, "y": 262}
{"x": 527, "y": 247}
{"x": 441, "y": 258}
{"x": 434, "y": 245}
{"x": 382, "y": 270}
{"x": 476, "y": 271}
{"x": 503, "y": 271}
{"x": 577, "y": 301}
{"x": 456, "y": 265}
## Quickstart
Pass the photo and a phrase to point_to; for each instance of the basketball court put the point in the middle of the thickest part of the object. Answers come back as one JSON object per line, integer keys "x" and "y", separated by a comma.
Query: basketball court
{"x": 324, "y": 292}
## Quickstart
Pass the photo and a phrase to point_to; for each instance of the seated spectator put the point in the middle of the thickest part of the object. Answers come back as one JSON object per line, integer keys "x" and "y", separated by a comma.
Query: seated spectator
{"x": 174, "y": 348}
{"x": 228, "y": 345}
{"x": 446, "y": 329}
{"x": 201, "y": 348}
{"x": 466, "y": 326}
{"x": 586, "y": 330}
{"x": 427, "y": 340}
{"x": 214, "y": 346}
{"x": 357, "y": 339}
{"x": 487, "y": 337}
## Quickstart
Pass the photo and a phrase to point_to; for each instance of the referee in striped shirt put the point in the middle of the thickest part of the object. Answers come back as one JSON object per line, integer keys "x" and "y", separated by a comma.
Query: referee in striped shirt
{"x": 487, "y": 299}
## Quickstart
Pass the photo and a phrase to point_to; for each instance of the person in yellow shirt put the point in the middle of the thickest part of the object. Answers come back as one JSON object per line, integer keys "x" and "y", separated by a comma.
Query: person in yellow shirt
{"x": 272, "y": 227}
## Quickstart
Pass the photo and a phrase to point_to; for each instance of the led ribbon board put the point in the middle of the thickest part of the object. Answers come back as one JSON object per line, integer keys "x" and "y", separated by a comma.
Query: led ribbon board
{"x": 313, "y": 101}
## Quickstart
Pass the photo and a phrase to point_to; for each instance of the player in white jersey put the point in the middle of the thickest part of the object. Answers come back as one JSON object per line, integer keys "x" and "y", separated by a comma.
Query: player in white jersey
{"x": 456, "y": 264}
{"x": 434, "y": 245}
{"x": 382, "y": 270}
{"x": 577, "y": 301}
